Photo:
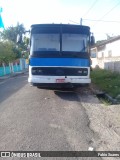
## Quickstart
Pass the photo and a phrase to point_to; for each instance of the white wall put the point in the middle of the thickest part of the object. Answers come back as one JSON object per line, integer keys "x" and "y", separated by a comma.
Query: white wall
{"x": 109, "y": 58}
{"x": 114, "y": 47}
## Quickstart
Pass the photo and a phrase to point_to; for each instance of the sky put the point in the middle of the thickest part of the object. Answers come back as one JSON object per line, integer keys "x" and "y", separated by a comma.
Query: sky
{"x": 103, "y": 16}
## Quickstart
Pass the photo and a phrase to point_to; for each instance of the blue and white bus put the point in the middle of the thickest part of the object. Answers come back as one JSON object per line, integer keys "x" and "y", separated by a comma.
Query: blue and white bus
{"x": 59, "y": 55}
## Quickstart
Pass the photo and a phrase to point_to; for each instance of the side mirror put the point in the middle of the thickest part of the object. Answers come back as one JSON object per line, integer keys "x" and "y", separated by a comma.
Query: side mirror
{"x": 19, "y": 38}
{"x": 92, "y": 40}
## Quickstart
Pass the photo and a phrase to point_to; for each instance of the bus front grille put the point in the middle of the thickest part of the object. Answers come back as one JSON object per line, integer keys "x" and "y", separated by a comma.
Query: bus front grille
{"x": 59, "y": 71}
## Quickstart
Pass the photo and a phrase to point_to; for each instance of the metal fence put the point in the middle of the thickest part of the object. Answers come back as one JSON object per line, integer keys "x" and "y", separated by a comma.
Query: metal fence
{"x": 12, "y": 68}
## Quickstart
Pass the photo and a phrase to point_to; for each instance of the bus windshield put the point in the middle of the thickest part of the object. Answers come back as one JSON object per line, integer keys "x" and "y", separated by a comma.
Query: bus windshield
{"x": 74, "y": 42}
{"x": 45, "y": 42}
{"x": 51, "y": 42}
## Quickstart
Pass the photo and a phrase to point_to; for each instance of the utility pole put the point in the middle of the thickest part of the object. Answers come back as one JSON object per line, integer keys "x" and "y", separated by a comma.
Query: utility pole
{"x": 81, "y": 21}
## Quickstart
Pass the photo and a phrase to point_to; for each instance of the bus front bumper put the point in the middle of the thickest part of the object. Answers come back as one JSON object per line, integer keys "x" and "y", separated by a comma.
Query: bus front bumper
{"x": 58, "y": 80}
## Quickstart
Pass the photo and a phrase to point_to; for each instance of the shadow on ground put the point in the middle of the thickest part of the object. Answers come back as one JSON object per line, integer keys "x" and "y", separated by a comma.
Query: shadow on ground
{"x": 67, "y": 95}
{"x": 81, "y": 94}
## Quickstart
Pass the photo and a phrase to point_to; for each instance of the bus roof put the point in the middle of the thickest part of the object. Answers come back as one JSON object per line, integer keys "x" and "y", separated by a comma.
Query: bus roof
{"x": 57, "y": 28}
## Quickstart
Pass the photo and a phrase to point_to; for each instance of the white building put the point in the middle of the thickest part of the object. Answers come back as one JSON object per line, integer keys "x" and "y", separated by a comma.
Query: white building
{"x": 106, "y": 55}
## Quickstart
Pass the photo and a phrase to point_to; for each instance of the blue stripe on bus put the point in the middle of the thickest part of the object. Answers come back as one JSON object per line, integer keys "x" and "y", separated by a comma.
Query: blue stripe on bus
{"x": 59, "y": 62}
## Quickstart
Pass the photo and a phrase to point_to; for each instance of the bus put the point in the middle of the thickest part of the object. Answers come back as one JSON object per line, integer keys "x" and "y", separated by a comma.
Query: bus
{"x": 59, "y": 55}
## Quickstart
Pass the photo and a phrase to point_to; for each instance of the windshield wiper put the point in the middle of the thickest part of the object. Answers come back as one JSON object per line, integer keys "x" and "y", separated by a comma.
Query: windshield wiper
{"x": 83, "y": 49}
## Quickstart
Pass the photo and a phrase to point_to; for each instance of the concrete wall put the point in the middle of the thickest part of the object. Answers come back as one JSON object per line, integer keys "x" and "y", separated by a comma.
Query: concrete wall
{"x": 112, "y": 64}
{"x": 109, "y": 64}
{"x": 109, "y": 57}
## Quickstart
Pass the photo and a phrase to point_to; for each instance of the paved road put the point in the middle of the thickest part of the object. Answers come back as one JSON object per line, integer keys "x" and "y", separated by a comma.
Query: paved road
{"x": 33, "y": 119}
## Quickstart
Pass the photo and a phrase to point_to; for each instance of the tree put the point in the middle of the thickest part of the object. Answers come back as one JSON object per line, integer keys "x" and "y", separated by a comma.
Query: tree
{"x": 10, "y": 35}
{"x": 7, "y": 53}
{"x": 11, "y": 32}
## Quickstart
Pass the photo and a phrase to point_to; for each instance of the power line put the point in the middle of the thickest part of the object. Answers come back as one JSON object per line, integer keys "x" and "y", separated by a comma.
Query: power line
{"x": 101, "y": 20}
{"x": 74, "y": 22}
{"x": 90, "y": 8}
{"x": 107, "y": 12}
{"x": 110, "y": 10}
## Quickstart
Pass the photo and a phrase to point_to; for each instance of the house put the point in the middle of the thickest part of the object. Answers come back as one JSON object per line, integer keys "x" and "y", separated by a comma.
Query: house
{"x": 106, "y": 55}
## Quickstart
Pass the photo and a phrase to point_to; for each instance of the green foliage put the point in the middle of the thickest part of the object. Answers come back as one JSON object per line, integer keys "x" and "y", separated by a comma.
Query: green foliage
{"x": 9, "y": 50}
{"x": 26, "y": 41}
{"x": 11, "y": 32}
{"x": 7, "y": 53}
{"x": 107, "y": 81}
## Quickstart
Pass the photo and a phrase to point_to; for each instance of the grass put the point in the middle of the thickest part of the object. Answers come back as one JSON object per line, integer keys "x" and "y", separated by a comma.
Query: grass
{"x": 107, "y": 81}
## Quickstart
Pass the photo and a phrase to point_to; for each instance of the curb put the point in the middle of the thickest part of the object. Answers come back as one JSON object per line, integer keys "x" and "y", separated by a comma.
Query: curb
{"x": 108, "y": 98}
{"x": 105, "y": 96}
{"x": 13, "y": 75}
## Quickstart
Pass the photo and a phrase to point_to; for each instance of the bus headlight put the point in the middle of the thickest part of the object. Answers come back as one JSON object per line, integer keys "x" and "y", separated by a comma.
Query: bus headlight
{"x": 83, "y": 71}
{"x": 36, "y": 71}
{"x": 33, "y": 71}
{"x": 80, "y": 71}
